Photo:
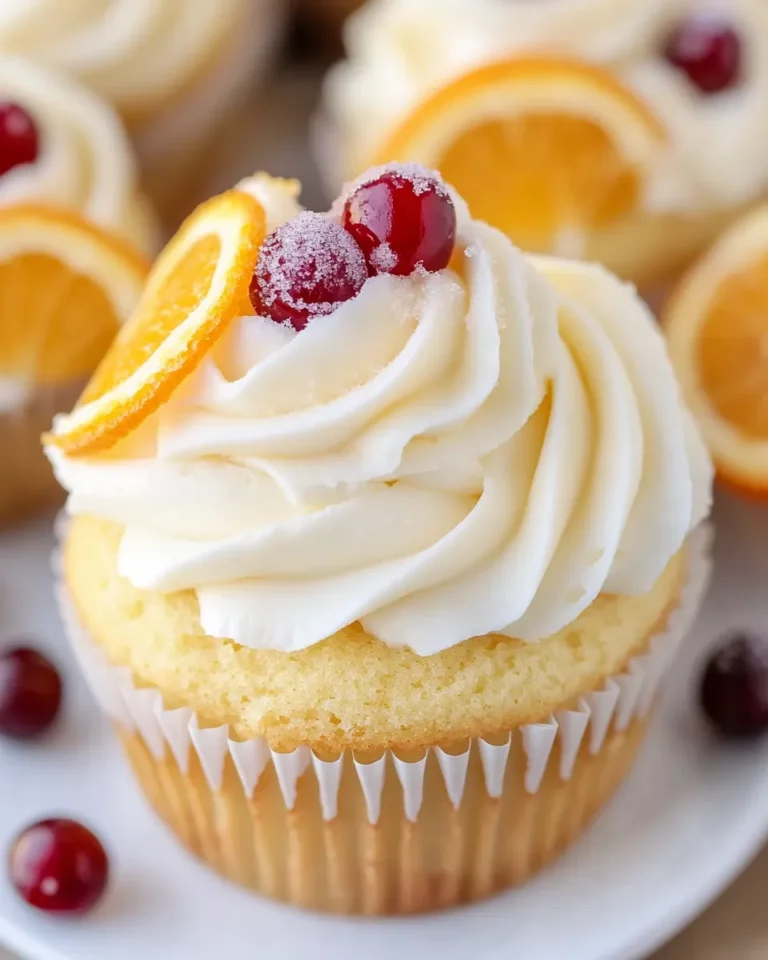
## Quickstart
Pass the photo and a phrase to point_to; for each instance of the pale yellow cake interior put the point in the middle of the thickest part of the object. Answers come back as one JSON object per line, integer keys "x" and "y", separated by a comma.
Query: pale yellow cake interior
{"x": 351, "y": 691}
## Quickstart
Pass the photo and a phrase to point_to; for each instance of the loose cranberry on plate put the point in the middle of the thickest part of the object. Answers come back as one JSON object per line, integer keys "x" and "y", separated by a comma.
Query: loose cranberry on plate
{"x": 403, "y": 219}
{"x": 708, "y": 51}
{"x": 307, "y": 268}
{"x": 30, "y": 693}
{"x": 18, "y": 137}
{"x": 734, "y": 687}
{"x": 59, "y": 866}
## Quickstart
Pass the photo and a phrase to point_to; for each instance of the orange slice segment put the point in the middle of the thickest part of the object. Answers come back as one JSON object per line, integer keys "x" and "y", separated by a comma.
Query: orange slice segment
{"x": 546, "y": 150}
{"x": 717, "y": 326}
{"x": 65, "y": 288}
{"x": 197, "y": 287}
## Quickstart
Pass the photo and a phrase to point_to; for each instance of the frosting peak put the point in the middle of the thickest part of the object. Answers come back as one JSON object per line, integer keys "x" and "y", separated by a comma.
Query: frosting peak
{"x": 446, "y": 455}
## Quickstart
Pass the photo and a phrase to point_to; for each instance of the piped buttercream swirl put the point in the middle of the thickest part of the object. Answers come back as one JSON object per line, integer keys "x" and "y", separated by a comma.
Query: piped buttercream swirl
{"x": 445, "y": 456}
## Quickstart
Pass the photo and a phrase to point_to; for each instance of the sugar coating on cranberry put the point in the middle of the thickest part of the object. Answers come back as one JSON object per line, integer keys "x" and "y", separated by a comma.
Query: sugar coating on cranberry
{"x": 18, "y": 137}
{"x": 30, "y": 693}
{"x": 734, "y": 686}
{"x": 306, "y": 269}
{"x": 708, "y": 51}
{"x": 58, "y": 866}
{"x": 403, "y": 218}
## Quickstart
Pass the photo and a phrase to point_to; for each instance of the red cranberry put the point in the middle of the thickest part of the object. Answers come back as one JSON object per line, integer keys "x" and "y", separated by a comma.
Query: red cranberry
{"x": 18, "y": 137}
{"x": 59, "y": 866}
{"x": 306, "y": 269}
{"x": 402, "y": 218}
{"x": 30, "y": 693}
{"x": 708, "y": 51}
{"x": 734, "y": 689}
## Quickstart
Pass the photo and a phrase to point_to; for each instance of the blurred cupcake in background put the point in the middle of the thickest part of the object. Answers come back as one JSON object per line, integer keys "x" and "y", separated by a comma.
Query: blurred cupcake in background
{"x": 173, "y": 69}
{"x": 638, "y": 160}
{"x": 322, "y": 22}
{"x": 74, "y": 232}
{"x": 63, "y": 146}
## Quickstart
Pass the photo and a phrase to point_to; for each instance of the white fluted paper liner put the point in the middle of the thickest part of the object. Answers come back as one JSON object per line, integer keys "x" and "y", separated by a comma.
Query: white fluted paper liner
{"x": 624, "y": 698}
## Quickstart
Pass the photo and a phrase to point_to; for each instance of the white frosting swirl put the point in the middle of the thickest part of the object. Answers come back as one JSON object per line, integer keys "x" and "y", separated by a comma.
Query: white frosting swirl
{"x": 401, "y": 50}
{"x": 136, "y": 53}
{"x": 84, "y": 161}
{"x": 442, "y": 457}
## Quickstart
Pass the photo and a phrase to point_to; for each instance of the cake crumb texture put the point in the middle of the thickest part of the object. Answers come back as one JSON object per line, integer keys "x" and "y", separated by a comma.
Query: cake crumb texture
{"x": 351, "y": 691}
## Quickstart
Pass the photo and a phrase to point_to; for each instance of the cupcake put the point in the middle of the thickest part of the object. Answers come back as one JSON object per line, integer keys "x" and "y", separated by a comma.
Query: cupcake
{"x": 64, "y": 147}
{"x": 72, "y": 220}
{"x": 415, "y": 86}
{"x": 174, "y": 70}
{"x": 377, "y": 577}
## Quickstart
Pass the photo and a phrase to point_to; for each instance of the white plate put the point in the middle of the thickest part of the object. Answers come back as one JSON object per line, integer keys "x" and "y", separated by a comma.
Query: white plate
{"x": 693, "y": 813}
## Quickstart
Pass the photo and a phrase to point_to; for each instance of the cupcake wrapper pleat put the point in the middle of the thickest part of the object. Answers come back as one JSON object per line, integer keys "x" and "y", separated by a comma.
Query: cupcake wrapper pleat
{"x": 392, "y": 833}
{"x": 348, "y": 864}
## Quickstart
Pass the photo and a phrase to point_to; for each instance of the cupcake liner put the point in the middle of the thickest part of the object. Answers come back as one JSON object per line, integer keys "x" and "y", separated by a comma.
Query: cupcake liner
{"x": 397, "y": 865}
{"x": 27, "y": 483}
{"x": 361, "y": 831}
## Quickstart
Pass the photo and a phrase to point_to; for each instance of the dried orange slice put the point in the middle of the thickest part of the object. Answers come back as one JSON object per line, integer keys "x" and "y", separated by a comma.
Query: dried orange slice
{"x": 197, "y": 287}
{"x": 547, "y": 150}
{"x": 717, "y": 326}
{"x": 65, "y": 288}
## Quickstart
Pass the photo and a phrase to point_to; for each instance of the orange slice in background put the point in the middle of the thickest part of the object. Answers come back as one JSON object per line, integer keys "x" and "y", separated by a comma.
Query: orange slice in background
{"x": 717, "y": 327}
{"x": 65, "y": 289}
{"x": 198, "y": 285}
{"x": 546, "y": 150}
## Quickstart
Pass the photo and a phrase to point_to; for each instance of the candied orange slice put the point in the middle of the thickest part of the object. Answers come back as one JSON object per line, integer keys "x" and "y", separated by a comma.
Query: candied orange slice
{"x": 65, "y": 288}
{"x": 547, "y": 150}
{"x": 717, "y": 326}
{"x": 198, "y": 285}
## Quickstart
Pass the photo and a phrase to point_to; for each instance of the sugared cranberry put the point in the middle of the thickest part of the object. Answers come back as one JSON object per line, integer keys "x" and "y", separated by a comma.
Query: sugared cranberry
{"x": 734, "y": 688}
{"x": 59, "y": 866}
{"x": 18, "y": 137}
{"x": 402, "y": 218}
{"x": 708, "y": 51}
{"x": 30, "y": 693}
{"x": 306, "y": 269}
